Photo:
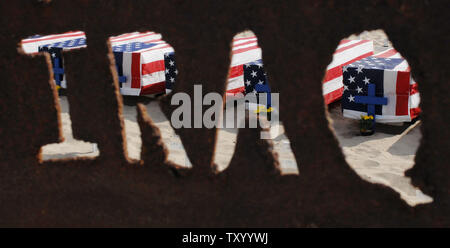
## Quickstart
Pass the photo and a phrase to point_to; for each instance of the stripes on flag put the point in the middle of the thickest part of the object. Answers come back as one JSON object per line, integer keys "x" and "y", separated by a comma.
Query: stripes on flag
{"x": 31, "y": 45}
{"x": 141, "y": 63}
{"x": 414, "y": 96}
{"x": 392, "y": 81}
{"x": 347, "y": 52}
{"x": 244, "y": 51}
{"x": 54, "y": 45}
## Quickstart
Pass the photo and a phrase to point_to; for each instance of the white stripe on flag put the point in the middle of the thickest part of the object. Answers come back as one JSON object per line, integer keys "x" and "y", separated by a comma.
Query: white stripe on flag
{"x": 130, "y": 36}
{"x": 351, "y": 53}
{"x": 332, "y": 85}
{"x": 403, "y": 66}
{"x": 347, "y": 44}
{"x": 415, "y": 100}
{"x": 239, "y": 42}
{"x": 155, "y": 53}
{"x": 245, "y": 46}
{"x": 153, "y": 78}
{"x": 33, "y": 47}
{"x": 139, "y": 39}
{"x": 235, "y": 83}
{"x": 246, "y": 57}
{"x": 390, "y": 92}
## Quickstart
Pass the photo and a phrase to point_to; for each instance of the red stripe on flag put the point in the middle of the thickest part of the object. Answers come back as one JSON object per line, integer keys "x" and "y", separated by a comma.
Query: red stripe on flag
{"x": 246, "y": 38}
{"x": 402, "y": 91}
{"x": 236, "y": 91}
{"x": 244, "y": 43}
{"x": 333, "y": 96}
{"x": 153, "y": 67}
{"x": 136, "y": 37}
{"x": 350, "y": 46}
{"x": 154, "y": 88}
{"x": 344, "y": 41}
{"x": 386, "y": 54}
{"x": 337, "y": 71}
{"x": 414, "y": 89}
{"x": 136, "y": 70}
{"x": 236, "y": 71}
{"x": 54, "y": 37}
{"x": 245, "y": 49}
{"x": 152, "y": 41}
{"x": 415, "y": 112}
{"x": 120, "y": 36}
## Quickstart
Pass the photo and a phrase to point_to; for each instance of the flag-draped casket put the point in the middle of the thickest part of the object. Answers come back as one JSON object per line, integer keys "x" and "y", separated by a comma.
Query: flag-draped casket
{"x": 348, "y": 51}
{"x": 145, "y": 63}
{"x": 413, "y": 89}
{"x": 245, "y": 51}
{"x": 382, "y": 83}
{"x": 55, "y": 45}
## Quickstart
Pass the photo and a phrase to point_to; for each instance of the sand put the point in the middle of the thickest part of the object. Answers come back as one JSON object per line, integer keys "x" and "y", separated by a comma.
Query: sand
{"x": 382, "y": 157}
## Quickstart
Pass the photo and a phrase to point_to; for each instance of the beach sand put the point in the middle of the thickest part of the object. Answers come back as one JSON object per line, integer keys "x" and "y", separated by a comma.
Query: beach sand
{"x": 382, "y": 157}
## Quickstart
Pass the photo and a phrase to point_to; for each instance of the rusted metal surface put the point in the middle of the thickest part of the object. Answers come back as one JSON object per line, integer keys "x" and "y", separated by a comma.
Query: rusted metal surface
{"x": 297, "y": 38}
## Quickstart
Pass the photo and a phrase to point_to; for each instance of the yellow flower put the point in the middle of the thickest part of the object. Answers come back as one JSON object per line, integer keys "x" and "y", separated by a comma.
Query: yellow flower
{"x": 371, "y": 117}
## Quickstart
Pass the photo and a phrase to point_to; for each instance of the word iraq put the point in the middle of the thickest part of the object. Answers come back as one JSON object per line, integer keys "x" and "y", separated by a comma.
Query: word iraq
{"x": 210, "y": 239}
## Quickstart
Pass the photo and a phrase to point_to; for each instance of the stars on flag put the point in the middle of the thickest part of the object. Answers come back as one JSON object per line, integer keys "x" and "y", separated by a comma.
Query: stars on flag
{"x": 171, "y": 69}
{"x": 376, "y": 63}
{"x": 359, "y": 69}
{"x": 359, "y": 89}
{"x": 351, "y": 98}
{"x": 133, "y": 47}
{"x": 351, "y": 79}
{"x": 366, "y": 80}
{"x": 359, "y": 77}
{"x": 254, "y": 77}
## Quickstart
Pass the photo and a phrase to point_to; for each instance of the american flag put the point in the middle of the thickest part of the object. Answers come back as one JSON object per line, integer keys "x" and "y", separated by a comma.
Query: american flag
{"x": 142, "y": 61}
{"x": 348, "y": 51}
{"x": 391, "y": 81}
{"x": 161, "y": 59}
{"x": 54, "y": 45}
{"x": 254, "y": 75}
{"x": 31, "y": 44}
{"x": 413, "y": 89}
{"x": 244, "y": 51}
{"x": 255, "y": 80}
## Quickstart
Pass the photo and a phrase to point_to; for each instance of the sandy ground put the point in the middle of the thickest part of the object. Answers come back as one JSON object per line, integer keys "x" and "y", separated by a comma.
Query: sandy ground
{"x": 382, "y": 157}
